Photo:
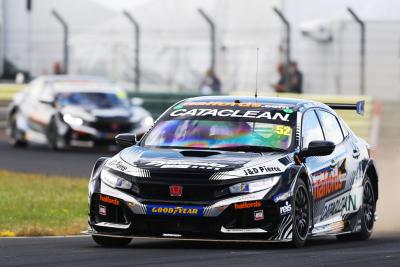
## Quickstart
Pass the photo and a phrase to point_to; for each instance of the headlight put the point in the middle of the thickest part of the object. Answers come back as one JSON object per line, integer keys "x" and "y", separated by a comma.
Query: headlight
{"x": 114, "y": 181}
{"x": 254, "y": 186}
{"x": 71, "y": 120}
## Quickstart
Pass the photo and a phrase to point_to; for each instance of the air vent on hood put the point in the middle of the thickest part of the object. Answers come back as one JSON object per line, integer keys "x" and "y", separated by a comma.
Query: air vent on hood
{"x": 285, "y": 160}
{"x": 199, "y": 153}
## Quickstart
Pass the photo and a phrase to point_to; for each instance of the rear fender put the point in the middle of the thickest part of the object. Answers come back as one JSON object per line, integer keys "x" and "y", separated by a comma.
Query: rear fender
{"x": 368, "y": 167}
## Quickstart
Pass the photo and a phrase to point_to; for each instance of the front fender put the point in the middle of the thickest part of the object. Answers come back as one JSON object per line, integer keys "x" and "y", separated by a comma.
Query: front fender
{"x": 94, "y": 182}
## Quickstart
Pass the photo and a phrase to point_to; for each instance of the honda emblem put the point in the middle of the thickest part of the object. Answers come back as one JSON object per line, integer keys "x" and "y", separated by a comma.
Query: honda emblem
{"x": 175, "y": 190}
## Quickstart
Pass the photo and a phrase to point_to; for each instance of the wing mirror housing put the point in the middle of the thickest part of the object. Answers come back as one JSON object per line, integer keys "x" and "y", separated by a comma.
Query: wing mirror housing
{"x": 317, "y": 148}
{"x": 48, "y": 101}
{"x": 126, "y": 140}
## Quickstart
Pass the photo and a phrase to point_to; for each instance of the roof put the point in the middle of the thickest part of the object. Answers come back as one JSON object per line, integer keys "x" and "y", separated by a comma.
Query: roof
{"x": 72, "y": 78}
{"x": 297, "y": 104}
{"x": 79, "y": 83}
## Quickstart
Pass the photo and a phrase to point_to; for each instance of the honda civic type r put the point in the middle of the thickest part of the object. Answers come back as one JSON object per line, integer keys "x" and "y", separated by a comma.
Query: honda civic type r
{"x": 237, "y": 168}
{"x": 65, "y": 111}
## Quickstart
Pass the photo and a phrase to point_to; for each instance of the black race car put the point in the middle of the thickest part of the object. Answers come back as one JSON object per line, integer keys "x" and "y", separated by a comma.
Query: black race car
{"x": 64, "y": 111}
{"x": 266, "y": 169}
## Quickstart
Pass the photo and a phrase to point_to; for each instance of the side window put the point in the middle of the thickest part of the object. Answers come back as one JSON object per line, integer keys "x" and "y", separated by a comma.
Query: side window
{"x": 311, "y": 128}
{"x": 331, "y": 127}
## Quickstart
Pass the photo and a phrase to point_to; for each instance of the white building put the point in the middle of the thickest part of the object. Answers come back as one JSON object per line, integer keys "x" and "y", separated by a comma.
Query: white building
{"x": 175, "y": 44}
{"x": 32, "y": 39}
{"x": 334, "y": 66}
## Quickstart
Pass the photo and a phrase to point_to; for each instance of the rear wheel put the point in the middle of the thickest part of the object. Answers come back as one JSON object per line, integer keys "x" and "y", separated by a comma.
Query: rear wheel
{"x": 15, "y": 137}
{"x": 301, "y": 214}
{"x": 367, "y": 214}
{"x": 107, "y": 241}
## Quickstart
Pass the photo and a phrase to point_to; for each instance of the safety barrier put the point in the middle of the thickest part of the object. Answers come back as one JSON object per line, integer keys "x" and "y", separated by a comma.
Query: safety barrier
{"x": 158, "y": 102}
{"x": 155, "y": 102}
{"x": 7, "y": 91}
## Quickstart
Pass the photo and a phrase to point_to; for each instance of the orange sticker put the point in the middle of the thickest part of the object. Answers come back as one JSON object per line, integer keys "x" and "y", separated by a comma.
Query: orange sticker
{"x": 107, "y": 199}
{"x": 247, "y": 205}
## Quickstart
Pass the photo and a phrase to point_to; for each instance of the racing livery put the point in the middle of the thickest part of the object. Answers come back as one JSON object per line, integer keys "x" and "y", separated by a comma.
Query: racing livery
{"x": 237, "y": 168}
{"x": 65, "y": 110}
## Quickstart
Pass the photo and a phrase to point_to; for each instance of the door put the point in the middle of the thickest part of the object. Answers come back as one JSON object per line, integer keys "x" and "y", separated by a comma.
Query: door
{"x": 35, "y": 112}
{"x": 327, "y": 172}
{"x": 331, "y": 182}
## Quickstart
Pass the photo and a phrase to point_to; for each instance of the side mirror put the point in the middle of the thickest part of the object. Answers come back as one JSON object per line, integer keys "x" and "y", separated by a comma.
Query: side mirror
{"x": 47, "y": 101}
{"x": 126, "y": 139}
{"x": 317, "y": 148}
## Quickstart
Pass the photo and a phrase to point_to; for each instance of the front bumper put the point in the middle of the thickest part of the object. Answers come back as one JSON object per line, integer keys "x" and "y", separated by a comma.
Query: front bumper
{"x": 251, "y": 216}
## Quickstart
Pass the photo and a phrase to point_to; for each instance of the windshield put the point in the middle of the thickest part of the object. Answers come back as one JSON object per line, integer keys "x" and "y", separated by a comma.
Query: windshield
{"x": 92, "y": 100}
{"x": 240, "y": 129}
{"x": 219, "y": 134}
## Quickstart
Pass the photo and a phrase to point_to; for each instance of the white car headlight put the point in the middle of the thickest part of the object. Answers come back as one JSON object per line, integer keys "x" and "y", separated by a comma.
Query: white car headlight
{"x": 114, "y": 181}
{"x": 254, "y": 186}
{"x": 72, "y": 120}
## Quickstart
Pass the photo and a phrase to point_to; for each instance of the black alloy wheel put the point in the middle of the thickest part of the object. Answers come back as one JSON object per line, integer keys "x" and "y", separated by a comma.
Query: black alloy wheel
{"x": 301, "y": 214}
{"x": 368, "y": 206}
{"x": 367, "y": 214}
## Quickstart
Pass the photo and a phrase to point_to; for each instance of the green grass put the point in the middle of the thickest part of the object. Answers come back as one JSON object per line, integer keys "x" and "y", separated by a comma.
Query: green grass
{"x": 33, "y": 205}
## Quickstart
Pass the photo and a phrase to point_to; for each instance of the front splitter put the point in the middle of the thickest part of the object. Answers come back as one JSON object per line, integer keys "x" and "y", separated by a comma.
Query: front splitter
{"x": 176, "y": 237}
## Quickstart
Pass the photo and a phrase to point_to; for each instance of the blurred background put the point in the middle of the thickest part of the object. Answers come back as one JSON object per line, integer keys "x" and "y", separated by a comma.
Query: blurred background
{"x": 179, "y": 40}
{"x": 164, "y": 50}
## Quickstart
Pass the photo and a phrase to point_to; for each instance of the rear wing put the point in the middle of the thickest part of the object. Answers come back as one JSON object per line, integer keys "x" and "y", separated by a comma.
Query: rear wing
{"x": 358, "y": 107}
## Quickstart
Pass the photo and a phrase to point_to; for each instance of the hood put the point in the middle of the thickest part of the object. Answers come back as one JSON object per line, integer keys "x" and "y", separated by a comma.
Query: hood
{"x": 91, "y": 114}
{"x": 235, "y": 164}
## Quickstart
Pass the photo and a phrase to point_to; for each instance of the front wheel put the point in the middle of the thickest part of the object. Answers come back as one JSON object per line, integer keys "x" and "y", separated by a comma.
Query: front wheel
{"x": 15, "y": 137}
{"x": 301, "y": 214}
{"x": 54, "y": 139}
{"x": 107, "y": 241}
{"x": 367, "y": 214}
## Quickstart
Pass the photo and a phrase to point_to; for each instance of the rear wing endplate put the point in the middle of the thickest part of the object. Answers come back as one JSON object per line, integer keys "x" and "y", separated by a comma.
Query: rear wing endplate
{"x": 358, "y": 107}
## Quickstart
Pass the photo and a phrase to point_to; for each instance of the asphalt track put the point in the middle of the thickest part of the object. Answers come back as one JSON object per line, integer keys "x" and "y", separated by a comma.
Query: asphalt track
{"x": 381, "y": 250}
{"x": 41, "y": 159}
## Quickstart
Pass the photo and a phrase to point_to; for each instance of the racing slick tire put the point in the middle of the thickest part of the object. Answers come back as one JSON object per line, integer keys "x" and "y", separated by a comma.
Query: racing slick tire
{"x": 15, "y": 136}
{"x": 367, "y": 214}
{"x": 301, "y": 214}
{"x": 54, "y": 139}
{"x": 107, "y": 241}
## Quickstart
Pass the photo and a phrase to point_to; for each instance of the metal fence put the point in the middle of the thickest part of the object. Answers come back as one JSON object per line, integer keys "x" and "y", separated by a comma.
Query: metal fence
{"x": 161, "y": 58}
